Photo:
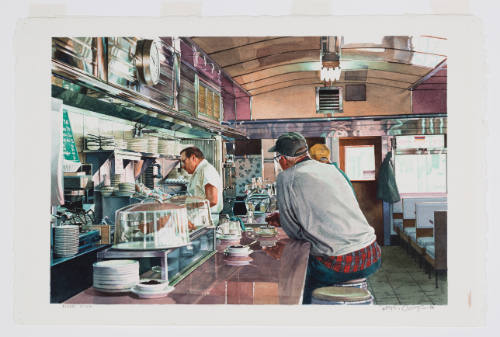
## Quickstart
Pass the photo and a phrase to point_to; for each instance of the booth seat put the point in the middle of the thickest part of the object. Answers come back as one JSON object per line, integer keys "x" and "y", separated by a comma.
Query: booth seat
{"x": 425, "y": 241}
{"x": 431, "y": 251}
{"x": 424, "y": 224}
{"x": 437, "y": 254}
{"x": 409, "y": 211}
{"x": 397, "y": 217}
{"x": 398, "y": 225}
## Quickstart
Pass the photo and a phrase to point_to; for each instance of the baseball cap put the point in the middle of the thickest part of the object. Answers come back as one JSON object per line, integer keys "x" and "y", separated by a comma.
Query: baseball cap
{"x": 291, "y": 144}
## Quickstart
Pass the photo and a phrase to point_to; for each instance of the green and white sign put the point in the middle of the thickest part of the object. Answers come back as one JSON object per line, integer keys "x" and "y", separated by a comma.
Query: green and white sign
{"x": 69, "y": 145}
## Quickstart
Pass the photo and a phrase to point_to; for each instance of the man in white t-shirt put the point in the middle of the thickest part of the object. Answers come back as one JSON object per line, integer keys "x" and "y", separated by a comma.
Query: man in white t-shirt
{"x": 205, "y": 180}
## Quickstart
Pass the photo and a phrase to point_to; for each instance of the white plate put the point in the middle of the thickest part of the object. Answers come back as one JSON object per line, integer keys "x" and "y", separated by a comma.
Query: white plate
{"x": 117, "y": 286}
{"x": 116, "y": 271}
{"x": 112, "y": 291}
{"x": 117, "y": 264}
{"x": 64, "y": 255}
{"x": 68, "y": 248}
{"x": 67, "y": 228}
{"x": 116, "y": 275}
{"x": 142, "y": 294}
{"x": 126, "y": 285}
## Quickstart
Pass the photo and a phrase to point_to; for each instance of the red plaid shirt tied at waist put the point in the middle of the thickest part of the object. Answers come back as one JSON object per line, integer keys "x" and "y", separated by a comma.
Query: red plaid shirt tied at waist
{"x": 352, "y": 262}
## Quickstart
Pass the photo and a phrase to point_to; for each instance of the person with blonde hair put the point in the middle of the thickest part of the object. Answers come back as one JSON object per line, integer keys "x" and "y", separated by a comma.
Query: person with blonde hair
{"x": 321, "y": 153}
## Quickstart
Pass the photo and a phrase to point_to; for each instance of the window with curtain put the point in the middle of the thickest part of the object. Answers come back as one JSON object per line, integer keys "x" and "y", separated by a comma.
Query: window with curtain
{"x": 208, "y": 102}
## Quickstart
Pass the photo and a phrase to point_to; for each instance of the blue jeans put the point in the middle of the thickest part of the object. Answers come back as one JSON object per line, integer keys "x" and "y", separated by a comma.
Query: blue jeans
{"x": 318, "y": 276}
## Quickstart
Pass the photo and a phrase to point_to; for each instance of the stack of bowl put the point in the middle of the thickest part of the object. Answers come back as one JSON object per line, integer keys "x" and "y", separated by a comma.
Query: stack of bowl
{"x": 107, "y": 143}
{"x": 115, "y": 180}
{"x": 237, "y": 255}
{"x": 115, "y": 275}
{"x": 92, "y": 143}
{"x": 106, "y": 191}
{"x": 125, "y": 189}
{"x": 66, "y": 240}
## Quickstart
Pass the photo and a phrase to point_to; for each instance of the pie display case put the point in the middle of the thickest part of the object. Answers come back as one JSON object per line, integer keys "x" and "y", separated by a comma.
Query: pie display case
{"x": 149, "y": 226}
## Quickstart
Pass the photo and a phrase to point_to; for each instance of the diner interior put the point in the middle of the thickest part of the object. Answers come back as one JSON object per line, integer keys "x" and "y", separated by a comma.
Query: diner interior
{"x": 124, "y": 108}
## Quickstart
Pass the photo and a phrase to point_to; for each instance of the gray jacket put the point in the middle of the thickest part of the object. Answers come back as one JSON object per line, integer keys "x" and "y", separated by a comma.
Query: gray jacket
{"x": 316, "y": 204}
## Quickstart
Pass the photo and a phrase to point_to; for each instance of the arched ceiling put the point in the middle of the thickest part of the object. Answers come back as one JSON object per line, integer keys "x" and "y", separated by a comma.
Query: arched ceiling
{"x": 265, "y": 64}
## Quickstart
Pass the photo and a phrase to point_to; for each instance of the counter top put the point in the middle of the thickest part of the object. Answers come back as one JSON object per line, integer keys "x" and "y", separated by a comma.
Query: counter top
{"x": 275, "y": 276}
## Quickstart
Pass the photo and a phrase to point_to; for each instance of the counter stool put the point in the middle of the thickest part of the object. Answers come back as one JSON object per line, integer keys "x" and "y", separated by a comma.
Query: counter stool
{"x": 345, "y": 295}
{"x": 357, "y": 283}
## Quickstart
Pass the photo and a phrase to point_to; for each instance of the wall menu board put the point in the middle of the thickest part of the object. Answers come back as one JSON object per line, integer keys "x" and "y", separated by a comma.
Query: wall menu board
{"x": 69, "y": 146}
{"x": 360, "y": 162}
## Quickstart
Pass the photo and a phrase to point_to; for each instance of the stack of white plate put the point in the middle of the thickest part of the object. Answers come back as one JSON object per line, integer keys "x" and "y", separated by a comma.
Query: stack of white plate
{"x": 138, "y": 144}
{"x": 125, "y": 189}
{"x": 66, "y": 240}
{"x": 152, "y": 145}
{"x": 108, "y": 143}
{"x": 116, "y": 275}
{"x": 167, "y": 147}
{"x": 115, "y": 180}
{"x": 152, "y": 288}
{"x": 120, "y": 143}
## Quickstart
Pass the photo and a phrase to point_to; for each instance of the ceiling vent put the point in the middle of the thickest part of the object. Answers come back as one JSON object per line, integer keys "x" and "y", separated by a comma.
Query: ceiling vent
{"x": 328, "y": 99}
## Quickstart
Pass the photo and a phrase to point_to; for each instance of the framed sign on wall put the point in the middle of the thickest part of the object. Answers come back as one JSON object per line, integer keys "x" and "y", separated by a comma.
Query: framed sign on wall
{"x": 360, "y": 162}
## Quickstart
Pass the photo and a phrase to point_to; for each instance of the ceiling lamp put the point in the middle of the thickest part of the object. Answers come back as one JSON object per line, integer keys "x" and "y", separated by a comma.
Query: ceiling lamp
{"x": 330, "y": 59}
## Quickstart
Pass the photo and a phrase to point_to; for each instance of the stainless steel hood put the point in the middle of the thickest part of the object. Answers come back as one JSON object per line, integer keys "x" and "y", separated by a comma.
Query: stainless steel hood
{"x": 89, "y": 93}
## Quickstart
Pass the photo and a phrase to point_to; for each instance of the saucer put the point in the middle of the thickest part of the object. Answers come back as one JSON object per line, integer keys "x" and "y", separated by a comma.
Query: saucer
{"x": 150, "y": 294}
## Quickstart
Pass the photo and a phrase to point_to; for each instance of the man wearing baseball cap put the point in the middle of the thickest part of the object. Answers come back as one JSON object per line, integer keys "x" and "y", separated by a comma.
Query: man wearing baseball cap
{"x": 316, "y": 204}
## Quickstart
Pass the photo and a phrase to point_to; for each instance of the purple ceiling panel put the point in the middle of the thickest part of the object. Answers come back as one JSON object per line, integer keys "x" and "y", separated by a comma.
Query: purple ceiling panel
{"x": 187, "y": 53}
{"x": 243, "y": 108}
{"x": 430, "y": 96}
{"x": 228, "y": 104}
{"x": 429, "y": 101}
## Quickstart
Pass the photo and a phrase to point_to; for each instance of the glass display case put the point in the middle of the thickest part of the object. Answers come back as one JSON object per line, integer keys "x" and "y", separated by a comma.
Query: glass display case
{"x": 170, "y": 239}
{"x": 198, "y": 211}
{"x": 147, "y": 226}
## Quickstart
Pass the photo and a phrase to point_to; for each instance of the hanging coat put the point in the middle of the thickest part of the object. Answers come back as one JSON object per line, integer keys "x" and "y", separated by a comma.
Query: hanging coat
{"x": 387, "y": 190}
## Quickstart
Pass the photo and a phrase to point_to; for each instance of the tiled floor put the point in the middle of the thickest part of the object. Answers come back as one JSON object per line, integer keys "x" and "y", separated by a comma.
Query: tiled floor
{"x": 400, "y": 280}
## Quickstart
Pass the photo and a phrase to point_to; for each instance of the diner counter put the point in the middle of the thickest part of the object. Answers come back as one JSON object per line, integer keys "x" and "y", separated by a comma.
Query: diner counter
{"x": 275, "y": 276}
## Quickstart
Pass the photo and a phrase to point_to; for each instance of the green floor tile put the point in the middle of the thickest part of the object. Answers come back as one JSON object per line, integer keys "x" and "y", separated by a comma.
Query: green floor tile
{"x": 415, "y": 299}
{"x": 431, "y": 287}
{"x": 383, "y": 293}
{"x": 401, "y": 280}
{"x": 407, "y": 290}
{"x": 386, "y": 301}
